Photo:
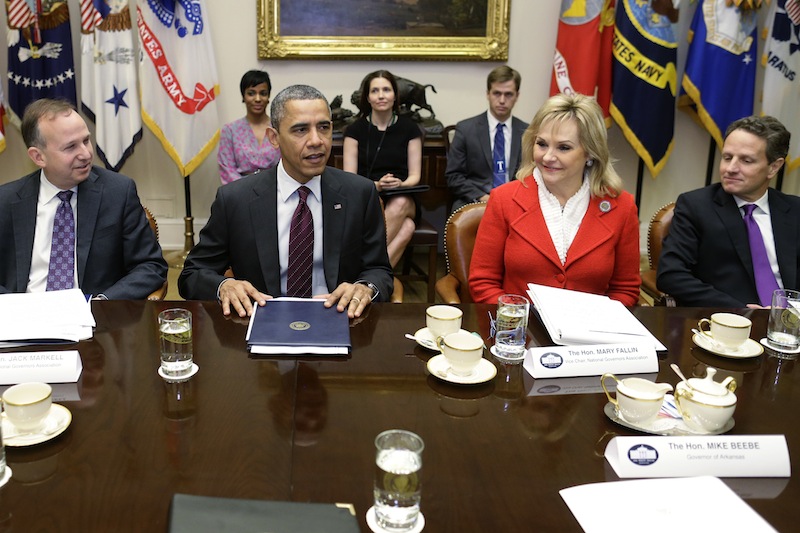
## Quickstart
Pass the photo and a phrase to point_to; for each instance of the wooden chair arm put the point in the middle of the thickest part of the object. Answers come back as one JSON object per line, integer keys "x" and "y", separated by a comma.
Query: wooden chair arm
{"x": 447, "y": 288}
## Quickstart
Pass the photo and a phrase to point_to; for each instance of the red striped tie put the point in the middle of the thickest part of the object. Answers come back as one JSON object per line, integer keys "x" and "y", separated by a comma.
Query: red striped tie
{"x": 301, "y": 249}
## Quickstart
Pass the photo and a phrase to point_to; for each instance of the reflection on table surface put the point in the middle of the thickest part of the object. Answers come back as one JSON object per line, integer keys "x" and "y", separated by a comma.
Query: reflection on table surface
{"x": 495, "y": 457}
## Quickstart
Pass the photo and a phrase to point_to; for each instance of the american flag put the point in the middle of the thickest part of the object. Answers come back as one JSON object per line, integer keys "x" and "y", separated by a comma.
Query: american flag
{"x": 793, "y": 10}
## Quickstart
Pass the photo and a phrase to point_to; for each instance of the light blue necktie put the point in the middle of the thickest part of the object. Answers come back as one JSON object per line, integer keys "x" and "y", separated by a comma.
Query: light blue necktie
{"x": 499, "y": 156}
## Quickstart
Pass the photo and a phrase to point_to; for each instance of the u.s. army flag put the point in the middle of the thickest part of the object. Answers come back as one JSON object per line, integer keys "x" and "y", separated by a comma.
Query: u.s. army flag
{"x": 109, "y": 92}
{"x": 178, "y": 76}
{"x": 781, "y": 61}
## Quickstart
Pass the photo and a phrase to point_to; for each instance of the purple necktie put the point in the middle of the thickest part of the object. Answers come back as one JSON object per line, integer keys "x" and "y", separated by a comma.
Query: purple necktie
{"x": 301, "y": 249}
{"x": 765, "y": 278}
{"x": 499, "y": 156}
{"x": 61, "y": 272}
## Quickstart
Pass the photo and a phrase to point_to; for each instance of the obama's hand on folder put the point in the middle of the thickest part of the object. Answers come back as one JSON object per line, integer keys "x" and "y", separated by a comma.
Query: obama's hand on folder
{"x": 238, "y": 295}
{"x": 354, "y": 297}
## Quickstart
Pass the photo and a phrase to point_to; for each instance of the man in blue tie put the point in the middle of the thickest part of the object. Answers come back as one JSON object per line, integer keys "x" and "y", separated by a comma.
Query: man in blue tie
{"x": 72, "y": 224}
{"x": 485, "y": 151}
{"x": 733, "y": 243}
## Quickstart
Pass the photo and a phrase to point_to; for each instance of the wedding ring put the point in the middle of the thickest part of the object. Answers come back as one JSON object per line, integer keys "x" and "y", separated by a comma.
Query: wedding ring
{"x": 354, "y": 299}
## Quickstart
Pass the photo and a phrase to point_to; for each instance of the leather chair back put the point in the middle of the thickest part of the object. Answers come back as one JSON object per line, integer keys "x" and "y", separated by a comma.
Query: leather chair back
{"x": 161, "y": 293}
{"x": 658, "y": 229}
{"x": 459, "y": 241}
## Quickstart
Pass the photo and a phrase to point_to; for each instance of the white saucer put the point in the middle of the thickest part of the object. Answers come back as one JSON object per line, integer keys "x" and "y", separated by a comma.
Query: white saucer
{"x": 58, "y": 420}
{"x": 172, "y": 379}
{"x": 372, "y": 522}
{"x": 749, "y": 349}
{"x": 664, "y": 424}
{"x": 495, "y": 353}
{"x": 6, "y": 476}
{"x": 764, "y": 342}
{"x": 425, "y": 339}
{"x": 439, "y": 367}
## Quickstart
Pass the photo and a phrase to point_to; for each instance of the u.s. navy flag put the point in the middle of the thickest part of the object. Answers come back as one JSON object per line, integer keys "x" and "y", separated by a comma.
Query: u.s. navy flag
{"x": 781, "y": 61}
{"x": 719, "y": 82}
{"x": 109, "y": 92}
{"x": 178, "y": 76}
{"x": 40, "y": 61}
{"x": 645, "y": 79}
{"x": 582, "y": 62}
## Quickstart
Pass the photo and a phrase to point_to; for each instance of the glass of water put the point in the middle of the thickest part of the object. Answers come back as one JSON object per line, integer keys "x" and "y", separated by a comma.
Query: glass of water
{"x": 175, "y": 333}
{"x": 510, "y": 327}
{"x": 398, "y": 481}
{"x": 783, "y": 330}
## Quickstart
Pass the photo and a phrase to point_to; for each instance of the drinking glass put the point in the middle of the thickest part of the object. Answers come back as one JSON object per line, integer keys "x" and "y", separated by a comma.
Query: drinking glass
{"x": 510, "y": 326}
{"x": 175, "y": 333}
{"x": 398, "y": 482}
{"x": 783, "y": 330}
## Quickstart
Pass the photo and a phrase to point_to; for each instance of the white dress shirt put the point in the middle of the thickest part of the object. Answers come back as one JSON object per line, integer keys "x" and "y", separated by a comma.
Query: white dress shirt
{"x": 287, "y": 203}
{"x": 562, "y": 222}
{"x": 46, "y": 208}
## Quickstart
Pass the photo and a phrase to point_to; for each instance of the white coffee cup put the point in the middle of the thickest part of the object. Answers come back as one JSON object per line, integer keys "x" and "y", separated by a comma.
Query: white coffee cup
{"x": 728, "y": 330}
{"x": 637, "y": 400}
{"x": 27, "y": 404}
{"x": 443, "y": 320}
{"x": 463, "y": 352}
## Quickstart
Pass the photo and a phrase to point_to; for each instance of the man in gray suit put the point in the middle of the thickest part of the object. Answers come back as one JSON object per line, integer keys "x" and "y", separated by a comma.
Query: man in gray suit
{"x": 472, "y": 164}
{"x": 109, "y": 250}
{"x": 252, "y": 223}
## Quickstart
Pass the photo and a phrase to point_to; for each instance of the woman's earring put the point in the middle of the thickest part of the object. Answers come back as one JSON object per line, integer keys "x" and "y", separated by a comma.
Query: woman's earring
{"x": 590, "y": 162}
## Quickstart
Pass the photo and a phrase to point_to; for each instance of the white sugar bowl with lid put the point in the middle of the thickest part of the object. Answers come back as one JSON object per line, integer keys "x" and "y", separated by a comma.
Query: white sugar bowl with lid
{"x": 706, "y": 405}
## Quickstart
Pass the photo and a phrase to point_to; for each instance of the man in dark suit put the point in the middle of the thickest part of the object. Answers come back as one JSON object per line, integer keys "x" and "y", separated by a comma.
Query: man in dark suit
{"x": 471, "y": 164}
{"x": 112, "y": 252}
{"x": 706, "y": 259}
{"x": 251, "y": 228}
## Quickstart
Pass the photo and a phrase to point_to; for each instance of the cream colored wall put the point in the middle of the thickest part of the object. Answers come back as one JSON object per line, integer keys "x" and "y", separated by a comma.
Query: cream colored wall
{"x": 461, "y": 93}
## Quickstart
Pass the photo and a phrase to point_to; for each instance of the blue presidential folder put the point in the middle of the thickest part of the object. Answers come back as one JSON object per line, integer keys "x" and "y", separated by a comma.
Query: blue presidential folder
{"x": 298, "y": 326}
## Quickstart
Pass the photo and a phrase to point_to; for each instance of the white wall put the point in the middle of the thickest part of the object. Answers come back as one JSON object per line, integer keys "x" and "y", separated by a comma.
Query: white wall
{"x": 461, "y": 93}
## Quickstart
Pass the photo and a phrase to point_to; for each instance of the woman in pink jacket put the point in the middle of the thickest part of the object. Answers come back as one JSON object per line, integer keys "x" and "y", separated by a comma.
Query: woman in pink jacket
{"x": 565, "y": 221}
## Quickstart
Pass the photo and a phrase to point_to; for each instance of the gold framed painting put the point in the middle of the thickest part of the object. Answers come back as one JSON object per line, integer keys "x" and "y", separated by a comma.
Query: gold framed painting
{"x": 467, "y": 30}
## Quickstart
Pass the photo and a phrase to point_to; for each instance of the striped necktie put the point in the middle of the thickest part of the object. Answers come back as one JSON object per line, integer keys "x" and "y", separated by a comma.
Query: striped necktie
{"x": 301, "y": 249}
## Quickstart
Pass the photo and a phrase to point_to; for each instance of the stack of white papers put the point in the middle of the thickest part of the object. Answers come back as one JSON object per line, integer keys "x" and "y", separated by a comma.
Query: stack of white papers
{"x": 54, "y": 317}
{"x": 573, "y": 317}
{"x": 662, "y": 505}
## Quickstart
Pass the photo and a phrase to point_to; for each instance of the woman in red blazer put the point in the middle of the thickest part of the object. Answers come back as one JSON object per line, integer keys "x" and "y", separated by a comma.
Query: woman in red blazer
{"x": 565, "y": 222}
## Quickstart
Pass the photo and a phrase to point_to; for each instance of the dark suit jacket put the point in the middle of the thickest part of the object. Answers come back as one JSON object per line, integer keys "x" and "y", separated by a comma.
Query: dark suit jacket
{"x": 242, "y": 233}
{"x": 117, "y": 252}
{"x": 469, "y": 162}
{"x": 706, "y": 260}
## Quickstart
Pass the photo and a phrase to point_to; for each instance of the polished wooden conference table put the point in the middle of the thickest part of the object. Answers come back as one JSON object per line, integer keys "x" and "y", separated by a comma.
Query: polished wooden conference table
{"x": 495, "y": 456}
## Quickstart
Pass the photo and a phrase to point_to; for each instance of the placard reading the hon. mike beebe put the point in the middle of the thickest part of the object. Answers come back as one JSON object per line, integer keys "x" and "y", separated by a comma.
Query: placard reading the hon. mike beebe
{"x": 49, "y": 367}
{"x": 721, "y": 456}
{"x": 590, "y": 360}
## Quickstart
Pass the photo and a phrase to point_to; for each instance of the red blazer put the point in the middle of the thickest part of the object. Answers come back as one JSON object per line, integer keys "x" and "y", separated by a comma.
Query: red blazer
{"x": 513, "y": 247}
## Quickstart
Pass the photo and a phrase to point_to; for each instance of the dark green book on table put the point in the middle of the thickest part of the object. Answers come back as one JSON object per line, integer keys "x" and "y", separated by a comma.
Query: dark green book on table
{"x": 298, "y": 326}
{"x": 200, "y": 514}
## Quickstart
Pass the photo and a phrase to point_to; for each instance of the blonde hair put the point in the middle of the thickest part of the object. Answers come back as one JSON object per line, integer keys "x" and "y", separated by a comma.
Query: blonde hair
{"x": 592, "y": 135}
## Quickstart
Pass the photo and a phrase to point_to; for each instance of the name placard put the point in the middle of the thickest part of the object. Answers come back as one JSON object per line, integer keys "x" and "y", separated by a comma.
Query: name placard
{"x": 581, "y": 385}
{"x": 718, "y": 455}
{"x": 48, "y": 367}
{"x": 590, "y": 360}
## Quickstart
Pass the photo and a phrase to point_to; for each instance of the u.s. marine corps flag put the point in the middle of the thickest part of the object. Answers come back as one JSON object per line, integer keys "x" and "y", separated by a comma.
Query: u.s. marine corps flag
{"x": 719, "y": 81}
{"x": 781, "y": 61}
{"x": 109, "y": 92}
{"x": 178, "y": 76}
{"x": 40, "y": 63}
{"x": 645, "y": 78}
{"x": 582, "y": 62}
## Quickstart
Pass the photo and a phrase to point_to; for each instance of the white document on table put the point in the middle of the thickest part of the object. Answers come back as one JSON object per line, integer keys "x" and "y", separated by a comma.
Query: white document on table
{"x": 662, "y": 505}
{"x": 50, "y": 317}
{"x": 575, "y": 318}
